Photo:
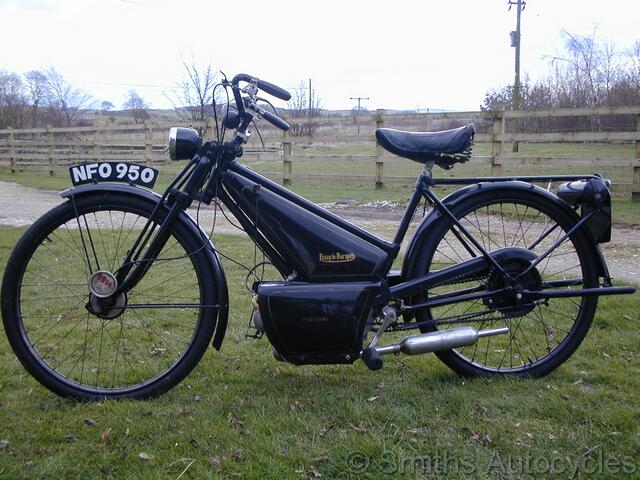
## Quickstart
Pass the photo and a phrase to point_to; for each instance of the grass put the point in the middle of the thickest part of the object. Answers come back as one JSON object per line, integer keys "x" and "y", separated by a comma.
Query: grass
{"x": 241, "y": 414}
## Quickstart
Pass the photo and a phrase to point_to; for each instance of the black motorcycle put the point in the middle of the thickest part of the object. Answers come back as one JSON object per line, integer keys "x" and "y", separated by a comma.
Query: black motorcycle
{"x": 118, "y": 292}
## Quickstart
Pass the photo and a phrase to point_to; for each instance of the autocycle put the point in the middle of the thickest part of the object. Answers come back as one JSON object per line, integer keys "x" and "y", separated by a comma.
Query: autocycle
{"x": 117, "y": 292}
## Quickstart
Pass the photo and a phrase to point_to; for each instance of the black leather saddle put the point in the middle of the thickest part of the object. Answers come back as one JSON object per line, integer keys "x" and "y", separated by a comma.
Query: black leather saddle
{"x": 443, "y": 148}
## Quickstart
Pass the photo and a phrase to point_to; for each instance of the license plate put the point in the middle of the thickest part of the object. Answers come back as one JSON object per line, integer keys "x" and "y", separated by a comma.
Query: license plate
{"x": 113, "y": 172}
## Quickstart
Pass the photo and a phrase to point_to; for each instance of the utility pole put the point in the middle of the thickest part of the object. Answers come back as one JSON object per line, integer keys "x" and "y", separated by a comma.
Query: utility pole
{"x": 515, "y": 42}
{"x": 310, "y": 106}
{"x": 358, "y": 113}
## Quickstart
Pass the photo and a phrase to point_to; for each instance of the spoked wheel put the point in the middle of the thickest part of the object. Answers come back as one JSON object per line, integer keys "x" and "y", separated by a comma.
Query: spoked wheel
{"x": 542, "y": 334}
{"x": 76, "y": 340}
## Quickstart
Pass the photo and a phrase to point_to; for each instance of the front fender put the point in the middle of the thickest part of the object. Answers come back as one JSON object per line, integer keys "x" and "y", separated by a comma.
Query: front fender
{"x": 214, "y": 259}
{"x": 463, "y": 194}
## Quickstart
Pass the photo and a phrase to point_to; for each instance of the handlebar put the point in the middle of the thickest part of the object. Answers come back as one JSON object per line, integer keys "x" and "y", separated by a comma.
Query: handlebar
{"x": 274, "y": 90}
{"x": 270, "y": 88}
{"x": 275, "y": 120}
{"x": 263, "y": 85}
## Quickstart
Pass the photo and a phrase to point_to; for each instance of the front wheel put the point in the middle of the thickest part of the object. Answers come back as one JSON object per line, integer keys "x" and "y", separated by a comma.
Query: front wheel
{"x": 137, "y": 345}
{"x": 542, "y": 334}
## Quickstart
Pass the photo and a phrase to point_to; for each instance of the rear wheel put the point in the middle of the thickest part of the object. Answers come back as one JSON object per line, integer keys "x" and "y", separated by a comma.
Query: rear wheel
{"x": 79, "y": 345}
{"x": 542, "y": 334}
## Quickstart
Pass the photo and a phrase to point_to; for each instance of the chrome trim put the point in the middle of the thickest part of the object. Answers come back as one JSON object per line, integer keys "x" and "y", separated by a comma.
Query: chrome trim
{"x": 173, "y": 132}
{"x": 440, "y": 340}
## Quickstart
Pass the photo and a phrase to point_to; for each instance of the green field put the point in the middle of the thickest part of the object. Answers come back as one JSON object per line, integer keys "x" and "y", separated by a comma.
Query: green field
{"x": 242, "y": 414}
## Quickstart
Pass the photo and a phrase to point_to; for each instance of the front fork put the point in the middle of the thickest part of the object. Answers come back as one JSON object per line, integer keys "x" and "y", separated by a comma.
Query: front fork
{"x": 134, "y": 266}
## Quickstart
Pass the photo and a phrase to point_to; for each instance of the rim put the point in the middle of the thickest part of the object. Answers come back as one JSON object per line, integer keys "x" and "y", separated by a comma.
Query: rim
{"x": 535, "y": 332}
{"x": 106, "y": 355}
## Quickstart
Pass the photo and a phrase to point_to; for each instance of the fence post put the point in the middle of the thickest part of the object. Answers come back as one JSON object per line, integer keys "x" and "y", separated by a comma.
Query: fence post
{"x": 96, "y": 144}
{"x": 379, "y": 151}
{"x": 208, "y": 129}
{"x": 635, "y": 194}
{"x": 50, "y": 150}
{"x": 148, "y": 144}
{"x": 286, "y": 159}
{"x": 12, "y": 150}
{"x": 497, "y": 145}
{"x": 75, "y": 148}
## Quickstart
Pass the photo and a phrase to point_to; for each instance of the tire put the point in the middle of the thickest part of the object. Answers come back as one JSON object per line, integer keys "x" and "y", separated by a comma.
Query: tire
{"x": 136, "y": 352}
{"x": 541, "y": 337}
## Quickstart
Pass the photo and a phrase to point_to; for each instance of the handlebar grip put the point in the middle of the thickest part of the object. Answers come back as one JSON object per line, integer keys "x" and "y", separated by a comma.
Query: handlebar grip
{"x": 274, "y": 90}
{"x": 268, "y": 87}
{"x": 275, "y": 121}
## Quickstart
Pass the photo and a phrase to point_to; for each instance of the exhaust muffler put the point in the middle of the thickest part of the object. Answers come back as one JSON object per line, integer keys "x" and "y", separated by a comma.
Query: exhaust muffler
{"x": 429, "y": 342}
{"x": 443, "y": 340}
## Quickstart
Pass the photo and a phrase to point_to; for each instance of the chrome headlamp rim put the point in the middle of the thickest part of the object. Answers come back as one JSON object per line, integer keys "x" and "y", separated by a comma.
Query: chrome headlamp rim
{"x": 173, "y": 133}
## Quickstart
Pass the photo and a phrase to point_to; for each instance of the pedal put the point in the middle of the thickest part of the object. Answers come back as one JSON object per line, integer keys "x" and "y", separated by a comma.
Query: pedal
{"x": 370, "y": 355}
{"x": 372, "y": 358}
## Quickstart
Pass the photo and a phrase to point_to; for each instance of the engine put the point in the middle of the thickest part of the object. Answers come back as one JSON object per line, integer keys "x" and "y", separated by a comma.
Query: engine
{"x": 314, "y": 323}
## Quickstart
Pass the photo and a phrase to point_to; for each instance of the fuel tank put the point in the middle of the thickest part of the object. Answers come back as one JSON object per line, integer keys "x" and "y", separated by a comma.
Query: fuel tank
{"x": 316, "y": 248}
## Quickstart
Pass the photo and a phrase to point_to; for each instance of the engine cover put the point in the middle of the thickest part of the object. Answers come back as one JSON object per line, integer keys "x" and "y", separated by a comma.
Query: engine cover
{"x": 316, "y": 323}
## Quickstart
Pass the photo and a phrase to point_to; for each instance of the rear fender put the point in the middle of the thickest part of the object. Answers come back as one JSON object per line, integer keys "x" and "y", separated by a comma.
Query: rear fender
{"x": 215, "y": 264}
{"x": 451, "y": 201}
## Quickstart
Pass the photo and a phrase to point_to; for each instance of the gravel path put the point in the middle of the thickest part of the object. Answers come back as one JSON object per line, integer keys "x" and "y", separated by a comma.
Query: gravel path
{"x": 21, "y": 206}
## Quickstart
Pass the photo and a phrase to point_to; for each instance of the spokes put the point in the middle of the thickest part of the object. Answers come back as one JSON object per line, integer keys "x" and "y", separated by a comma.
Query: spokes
{"x": 536, "y": 329}
{"x": 134, "y": 346}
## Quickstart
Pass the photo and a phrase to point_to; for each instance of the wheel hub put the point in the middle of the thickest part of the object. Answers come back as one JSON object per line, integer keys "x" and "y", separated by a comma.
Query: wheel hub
{"x": 108, "y": 308}
{"x": 509, "y": 300}
{"x": 102, "y": 301}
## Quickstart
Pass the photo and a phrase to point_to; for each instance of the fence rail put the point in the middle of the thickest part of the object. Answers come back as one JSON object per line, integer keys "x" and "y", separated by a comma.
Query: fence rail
{"x": 53, "y": 148}
{"x": 497, "y": 138}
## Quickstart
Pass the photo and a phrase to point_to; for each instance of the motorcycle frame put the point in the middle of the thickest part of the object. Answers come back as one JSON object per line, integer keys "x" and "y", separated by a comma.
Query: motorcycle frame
{"x": 422, "y": 190}
{"x": 203, "y": 167}
{"x": 213, "y": 160}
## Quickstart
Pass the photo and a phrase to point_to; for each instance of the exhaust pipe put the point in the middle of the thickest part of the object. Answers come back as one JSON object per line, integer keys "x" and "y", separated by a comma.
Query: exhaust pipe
{"x": 429, "y": 342}
{"x": 443, "y": 340}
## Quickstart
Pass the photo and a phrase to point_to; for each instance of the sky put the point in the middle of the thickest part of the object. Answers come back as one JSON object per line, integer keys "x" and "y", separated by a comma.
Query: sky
{"x": 400, "y": 54}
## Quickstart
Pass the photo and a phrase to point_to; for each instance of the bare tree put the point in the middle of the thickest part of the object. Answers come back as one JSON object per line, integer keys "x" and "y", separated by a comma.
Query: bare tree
{"x": 302, "y": 110}
{"x": 590, "y": 72}
{"x": 136, "y": 105}
{"x": 37, "y": 90}
{"x": 582, "y": 60}
{"x": 106, "y": 105}
{"x": 13, "y": 102}
{"x": 626, "y": 87}
{"x": 194, "y": 100}
{"x": 608, "y": 68}
{"x": 633, "y": 58}
{"x": 66, "y": 98}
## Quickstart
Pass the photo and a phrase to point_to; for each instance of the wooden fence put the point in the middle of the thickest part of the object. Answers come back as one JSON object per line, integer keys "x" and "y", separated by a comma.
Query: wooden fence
{"x": 53, "y": 148}
{"x": 495, "y": 134}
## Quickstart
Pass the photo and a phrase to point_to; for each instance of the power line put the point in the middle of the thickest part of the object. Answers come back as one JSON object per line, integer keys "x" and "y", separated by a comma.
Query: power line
{"x": 359, "y": 99}
{"x": 112, "y": 84}
{"x": 359, "y": 108}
